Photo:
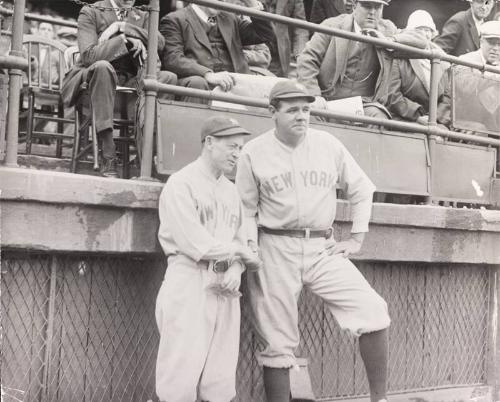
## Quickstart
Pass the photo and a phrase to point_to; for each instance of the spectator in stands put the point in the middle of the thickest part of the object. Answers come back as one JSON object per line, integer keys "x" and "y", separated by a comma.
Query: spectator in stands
{"x": 460, "y": 33}
{"x": 112, "y": 45}
{"x": 323, "y": 9}
{"x": 484, "y": 97}
{"x": 289, "y": 41}
{"x": 203, "y": 45}
{"x": 336, "y": 68}
{"x": 410, "y": 79}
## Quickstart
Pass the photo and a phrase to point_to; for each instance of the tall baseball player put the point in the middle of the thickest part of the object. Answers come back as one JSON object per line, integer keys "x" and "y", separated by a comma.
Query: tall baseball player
{"x": 287, "y": 179}
{"x": 198, "y": 308}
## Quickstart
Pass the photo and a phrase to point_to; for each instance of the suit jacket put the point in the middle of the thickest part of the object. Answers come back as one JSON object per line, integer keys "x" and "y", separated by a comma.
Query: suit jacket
{"x": 91, "y": 24}
{"x": 290, "y": 41}
{"x": 186, "y": 41}
{"x": 324, "y": 60}
{"x": 323, "y": 9}
{"x": 459, "y": 35}
{"x": 409, "y": 89}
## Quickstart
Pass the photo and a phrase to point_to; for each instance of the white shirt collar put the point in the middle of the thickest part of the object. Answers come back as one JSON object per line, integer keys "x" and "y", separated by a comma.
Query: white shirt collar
{"x": 357, "y": 28}
{"x": 199, "y": 12}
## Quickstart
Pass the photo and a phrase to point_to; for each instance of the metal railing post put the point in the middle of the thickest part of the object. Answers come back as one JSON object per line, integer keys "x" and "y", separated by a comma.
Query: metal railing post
{"x": 433, "y": 104}
{"x": 15, "y": 82}
{"x": 150, "y": 103}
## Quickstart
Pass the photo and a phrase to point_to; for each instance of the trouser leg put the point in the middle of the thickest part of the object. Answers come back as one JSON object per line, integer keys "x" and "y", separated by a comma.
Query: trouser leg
{"x": 102, "y": 82}
{"x": 195, "y": 82}
{"x": 166, "y": 77}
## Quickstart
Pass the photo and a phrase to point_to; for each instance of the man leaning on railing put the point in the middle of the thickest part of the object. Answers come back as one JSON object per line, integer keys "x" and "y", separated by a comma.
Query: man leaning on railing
{"x": 112, "y": 40}
{"x": 336, "y": 68}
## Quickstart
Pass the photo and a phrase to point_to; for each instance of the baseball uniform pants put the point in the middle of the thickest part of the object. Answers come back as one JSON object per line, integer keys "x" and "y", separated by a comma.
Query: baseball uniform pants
{"x": 291, "y": 263}
{"x": 199, "y": 337}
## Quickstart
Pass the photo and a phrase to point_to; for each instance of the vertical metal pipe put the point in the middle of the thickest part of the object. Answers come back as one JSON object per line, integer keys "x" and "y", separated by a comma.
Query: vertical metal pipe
{"x": 433, "y": 92}
{"x": 15, "y": 82}
{"x": 150, "y": 103}
{"x": 433, "y": 102}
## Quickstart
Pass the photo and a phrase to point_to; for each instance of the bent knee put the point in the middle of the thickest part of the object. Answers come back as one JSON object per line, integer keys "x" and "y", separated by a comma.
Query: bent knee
{"x": 167, "y": 77}
{"x": 102, "y": 65}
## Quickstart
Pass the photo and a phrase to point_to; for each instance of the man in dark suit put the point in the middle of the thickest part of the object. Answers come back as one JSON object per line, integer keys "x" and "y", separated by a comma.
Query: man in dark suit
{"x": 203, "y": 45}
{"x": 323, "y": 9}
{"x": 112, "y": 44}
{"x": 460, "y": 33}
{"x": 289, "y": 41}
{"x": 334, "y": 68}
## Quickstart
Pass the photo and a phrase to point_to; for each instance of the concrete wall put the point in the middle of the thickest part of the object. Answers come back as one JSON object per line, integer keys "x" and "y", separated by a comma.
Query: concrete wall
{"x": 427, "y": 249}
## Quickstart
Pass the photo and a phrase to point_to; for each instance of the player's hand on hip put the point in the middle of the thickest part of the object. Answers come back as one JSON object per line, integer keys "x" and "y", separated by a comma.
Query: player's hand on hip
{"x": 344, "y": 248}
{"x": 222, "y": 79}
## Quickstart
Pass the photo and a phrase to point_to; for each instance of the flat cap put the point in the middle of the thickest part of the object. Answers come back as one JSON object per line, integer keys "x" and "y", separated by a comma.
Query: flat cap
{"x": 289, "y": 89}
{"x": 490, "y": 29}
{"x": 221, "y": 126}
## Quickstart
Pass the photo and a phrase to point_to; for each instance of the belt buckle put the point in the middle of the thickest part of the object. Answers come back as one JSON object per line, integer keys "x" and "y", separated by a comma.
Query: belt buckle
{"x": 220, "y": 266}
{"x": 307, "y": 233}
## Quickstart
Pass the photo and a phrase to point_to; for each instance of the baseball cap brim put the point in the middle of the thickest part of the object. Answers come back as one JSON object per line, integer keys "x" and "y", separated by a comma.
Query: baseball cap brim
{"x": 296, "y": 95}
{"x": 231, "y": 131}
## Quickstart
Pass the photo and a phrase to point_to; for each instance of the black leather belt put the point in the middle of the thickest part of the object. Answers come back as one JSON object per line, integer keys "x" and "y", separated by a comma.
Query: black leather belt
{"x": 300, "y": 233}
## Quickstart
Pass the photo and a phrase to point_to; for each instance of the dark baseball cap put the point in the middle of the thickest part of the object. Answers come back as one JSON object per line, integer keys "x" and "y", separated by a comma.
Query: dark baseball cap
{"x": 289, "y": 89}
{"x": 221, "y": 126}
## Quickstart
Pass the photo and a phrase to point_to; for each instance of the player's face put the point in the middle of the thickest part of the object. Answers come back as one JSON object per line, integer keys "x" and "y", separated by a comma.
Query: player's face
{"x": 481, "y": 8}
{"x": 491, "y": 50}
{"x": 292, "y": 118}
{"x": 367, "y": 14}
{"x": 225, "y": 151}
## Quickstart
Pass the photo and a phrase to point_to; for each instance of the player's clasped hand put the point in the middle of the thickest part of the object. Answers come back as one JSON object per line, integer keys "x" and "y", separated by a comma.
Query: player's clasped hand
{"x": 345, "y": 248}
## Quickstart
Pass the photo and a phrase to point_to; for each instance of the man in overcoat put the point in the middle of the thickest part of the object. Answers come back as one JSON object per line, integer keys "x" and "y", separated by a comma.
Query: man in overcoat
{"x": 112, "y": 41}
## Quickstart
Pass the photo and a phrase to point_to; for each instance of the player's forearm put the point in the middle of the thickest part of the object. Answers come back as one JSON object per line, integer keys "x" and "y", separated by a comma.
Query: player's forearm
{"x": 361, "y": 213}
{"x": 222, "y": 251}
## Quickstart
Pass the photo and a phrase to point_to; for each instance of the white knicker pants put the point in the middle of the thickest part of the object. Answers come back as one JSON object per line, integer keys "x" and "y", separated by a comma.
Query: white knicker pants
{"x": 199, "y": 337}
{"x": 291, "y": 263}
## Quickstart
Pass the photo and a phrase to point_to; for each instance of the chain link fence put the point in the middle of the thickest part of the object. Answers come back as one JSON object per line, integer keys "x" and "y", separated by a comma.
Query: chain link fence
{"x": 82, "y": 328}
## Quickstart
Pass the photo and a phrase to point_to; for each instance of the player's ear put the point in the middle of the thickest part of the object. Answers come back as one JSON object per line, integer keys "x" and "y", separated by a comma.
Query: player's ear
{"x": 272, "y": 109}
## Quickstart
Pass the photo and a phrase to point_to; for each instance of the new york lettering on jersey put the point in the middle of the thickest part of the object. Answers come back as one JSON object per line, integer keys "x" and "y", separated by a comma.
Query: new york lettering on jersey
{"x": 306, "y": 178}
{"x": 217, "y": 215}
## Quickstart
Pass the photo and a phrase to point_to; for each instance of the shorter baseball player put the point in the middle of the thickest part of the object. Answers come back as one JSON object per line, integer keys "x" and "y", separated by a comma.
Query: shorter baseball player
{"x": 198, "y": 308}
{"x": 287, "y": 179}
